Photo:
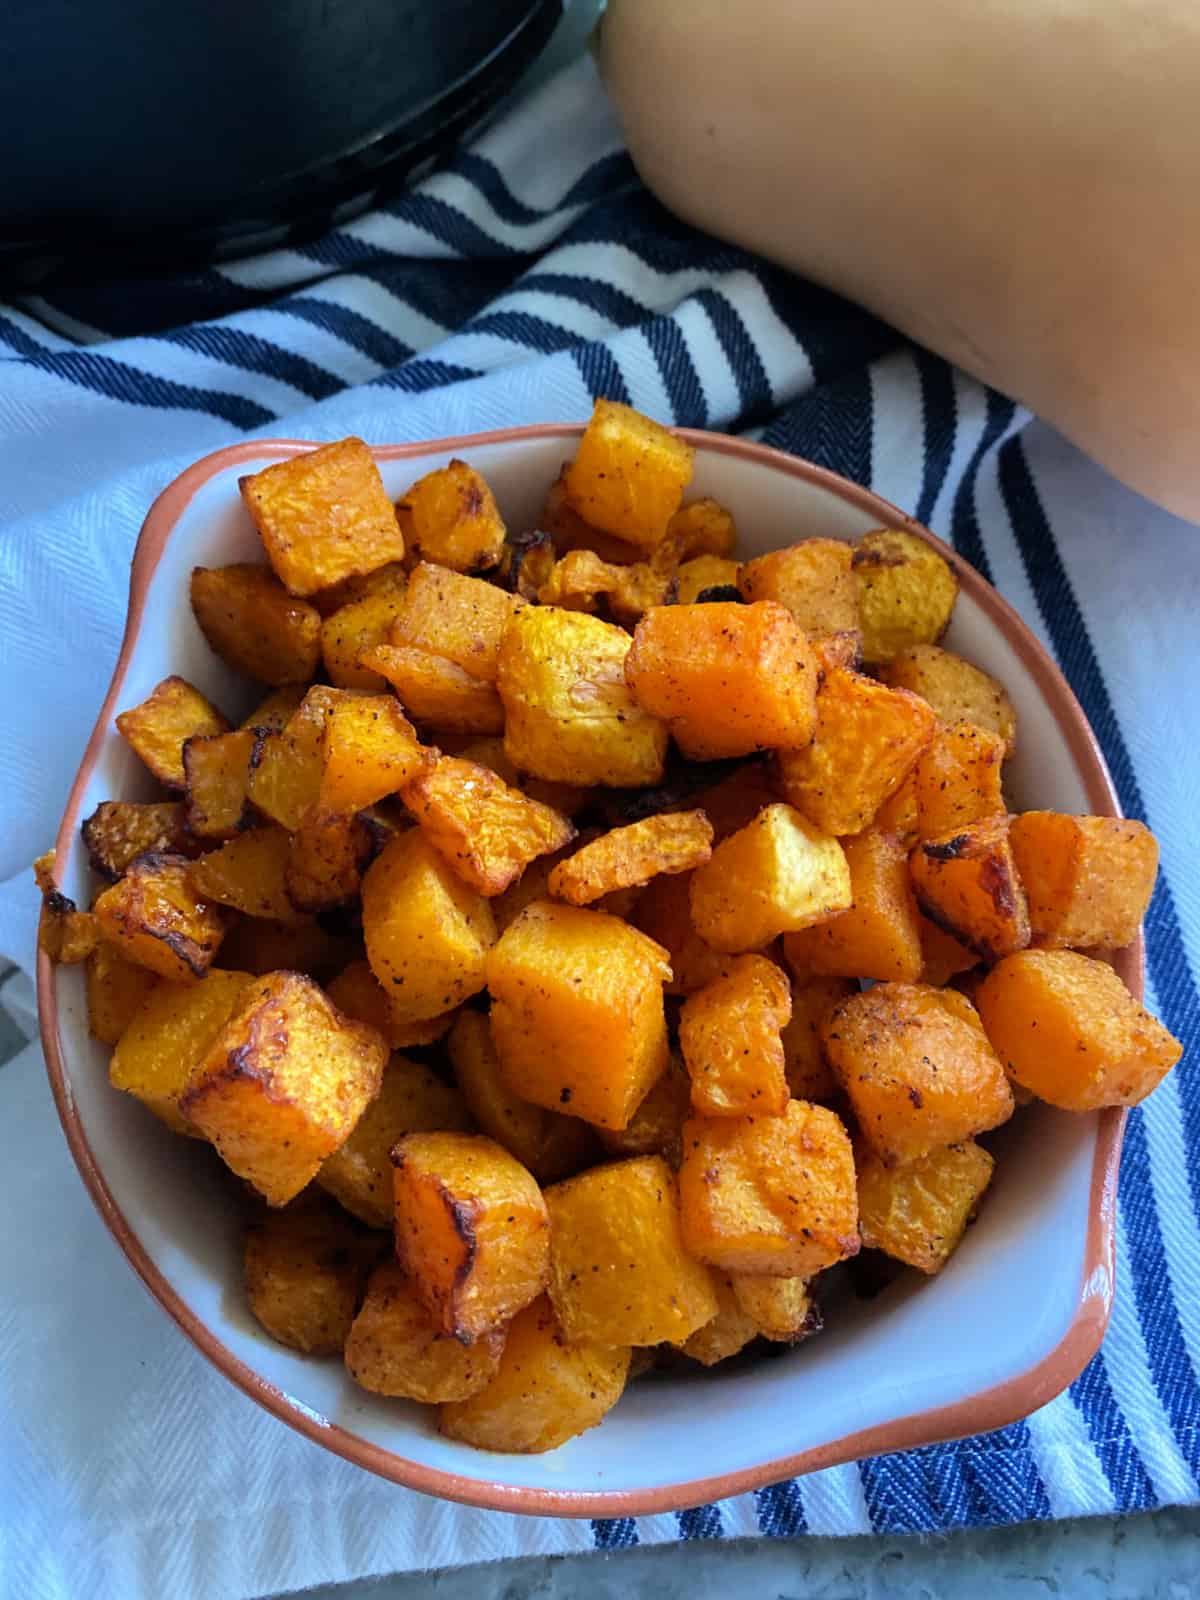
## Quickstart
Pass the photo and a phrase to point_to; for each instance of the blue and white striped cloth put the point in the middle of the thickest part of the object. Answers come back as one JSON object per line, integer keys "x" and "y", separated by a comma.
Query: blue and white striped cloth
{"x": 530, "y": 275}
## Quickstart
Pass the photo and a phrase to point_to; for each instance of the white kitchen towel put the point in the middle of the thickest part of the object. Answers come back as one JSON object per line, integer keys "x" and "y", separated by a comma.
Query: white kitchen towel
{"x": 529, "y": 275}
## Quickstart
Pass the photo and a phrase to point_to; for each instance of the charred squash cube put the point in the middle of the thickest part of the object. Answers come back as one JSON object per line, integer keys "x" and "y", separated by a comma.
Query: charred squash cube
{"x": 158, "y": 729}
{"x": 154, "y": 916}
{"x": 628, "y": 475}
{"x": 325, "y": 860}
{"x": 577, "y": 1012}
{"x": 967, "y": 882}
{"x": 255, "y": 625}
{"x": 217, "y": 775}
{"x": 455, "y": 519}
{"x": 705, "y": 572}
{"x": 1088, "y": 880}
{"x": 957, "y": 779}
{"x": 879, "y": 936}
{"x": 624, "y": 858}
{"x": 119, "y": 831}
{"x": 918, "y": 1213}
{"x": 813, "y": 579}
{"x": 396, "y": 1348}
{"x": 729, "y": 1033}
{"x": 283, "y": 1084}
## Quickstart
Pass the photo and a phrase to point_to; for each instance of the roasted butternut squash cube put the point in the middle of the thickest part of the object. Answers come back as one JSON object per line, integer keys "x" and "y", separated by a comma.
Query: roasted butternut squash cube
{"x": 485, "y": 830}
{"x": 569, "y": 715}
{"x": 705, "y": 572}
{"x": 371, "y": 750}
{"x": 628, "y": 475}
{"x": 1068, "y": 1030}
{"x": 899, "y": 815}
{"x": 287, "y": 767}
{"x": 577, "y": 1012}
{"x": 471, "y": 1230}
{"x": 729, "y": 1033}
{"x": 158, "y": 729}
{"x": 655, "y": 1129}
{"x": 116, "y": 989}
{"x": 455, "y": 519}
{"x": 958, "y": 690}
{"x": 664, "y": 912}
{"x": 460, "y": 618}
{"x": 65, "y": 933}
{"x": 781, "y": 1309}
{"x": 906, "y": 592}
{"x": 672, "y": 842}
{"x": 619, "y": 1272}
{"x": 258, "y": 945}
{"x": 325, "y": 861}
{"x": 390, "y": 579}
{"x": 957, "y": 779}
{"x": 967, "y": 882}
{"x": 729, "y": 1331}
{"x": 154, "y": 916}
{"x": 942, "y": 955}
{"x": 570, "y": 532}
{"x": 353, "y": 629}
{"x": 358, "y": 992}
{"x": 1088, "y": 880}
{"x": 248, "y": 873}
{"x": 813, "y": 579}
{"x": 770, "y": 1196}
{"x": 217, "y": 775}
{"x": 411, "y": 1099}
{"x": 879, "y": 936}
{"x": 545, "y": 1392}
{"x": 868, "y": 738}
{"x": 776, "y": 875}
{"x": 324, "y": 516}
{"x": 283, "y": 1084}
{"x": 526, "y": 563}
{"x": 304, "y": 1271}
{"x": 254, "y": 624}
{"x": 275, "y": 710}
{"x": 427, "y": 932}
{"x": 918, "y": 1213}
{"x": 168, "y": 1035}
{"x": 436, "y": 692}
{"x": 805, "y": 1065}
{"x": 565, "y": 797}
{"x": 700, "y": 528}
{"x": 917, "y": 1069}
{"x": 397, "y": 1349}
{"x": 728, "y": 679}
{"x": 581, "y": 582}
{"x": 119, "y": 831}
{"x": 737, "y": 799}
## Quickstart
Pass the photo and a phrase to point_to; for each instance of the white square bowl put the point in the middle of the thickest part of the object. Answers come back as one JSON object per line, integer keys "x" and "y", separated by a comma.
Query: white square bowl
{"x": 1011, "y": 1321}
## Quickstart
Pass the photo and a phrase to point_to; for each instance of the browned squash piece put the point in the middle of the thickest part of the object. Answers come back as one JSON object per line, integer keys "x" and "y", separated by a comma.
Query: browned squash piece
{"x": 957, "y": 779}
{"x": 472, "y": 1231}
{"x": 655, "y": 1129}
{"x": 813, "y": 579}
{"x": 455, "y": 519}
{"x": 917, "y": 1069}
{"x": 248, "y": 873}
{"x": 942, "y": 955}
{"x": 906, "y": 592}
{"x": 550, "y": 1145}
{"x": 781, "y": 1309}
{"x": 664, "y": 912}
{"x": 326, "y": 858}
{"x": 769, "y": 1196}
{"x": 526, "y": 563}
{"x": 705, "y": 572}
{"x": 157, "y": 729}
{"x": 358, "y": 992}
{"x": 545, "y": 1392}
{"x": 410, "y": 887}
{"x": 283, "y": 1083}
{"x": 436, "y": 692}
{"x": 898, "y": 814}
{"x": 1088, "y": 880}
{"x": 956, "y": 689}
{"x": 273, "y": 713}
{"x": 154, "y": 916}
{"x": 353, "y": 629}
{"x": 879, "y": 936}
{"x": 255, "y": 625}
{"x": 619, "y": 1271}
{"x": 1067, "y": 1029}
{"x": 460, "y": 618}
{"x": 304, "y": 1271}
{"x": 569, "y": 715}
{"x": 258, "y": 945}
{"x": 728, "y": 679}
{"x": 486, "y": 831}
{"x": 66, "y": 934}
{"x": 729, "y": 1033}
{"x": 701, "y": 528}
{"x": 867, "y": 740}
{"x": 628, "y": 475}
{"x": 324, "y": 516}
{"x": 286, "y": 771}
{"x": 777, "y": 875}
{"x": 728, "y": 1332}
{"x": 809, "y": 1075}
{"x": 411, "y": 1099}
{"x": 216, "y": 770}
{"x": 388, "y": 579}
{"x": 395, "y": 1347}
{"x": 967, "y": 882}
{"x": 577, "y": 1012}
{"x": 672, "y": 842}
{"x": 565, "y": 797}
{"x": 370, "y": 750}
{"x": 581, "y": 581}
{"x": 119, "y": 831}
{"x": 918, "y": 1213}
{"x": 167, "y": 1036}
{"x": 116, "y": 989}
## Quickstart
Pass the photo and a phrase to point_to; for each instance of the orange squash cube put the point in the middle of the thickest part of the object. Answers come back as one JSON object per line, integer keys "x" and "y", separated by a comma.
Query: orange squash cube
{"x": 967, "y": 882}
{"x": 777, "y": 875}
{"x": 770, "y": 1196}
{"x": 728, "y": 679}
{"x": 813, "y": 579}
{"x": 248, "y": 873}
{"x": 619, "y": 1271}
{"x": 158, "y": 729}
{"x": 395, "y": 1347}
{"x": 154, "y": 917}
{"x": 656, "y": 1126}
{"x": 255, "y": 625}
{"x": 286, "y": 768}
{"x": 304, "y": 1270}
{"x": 957, "y": 690}
{"x": 324, "y": 516}
{"x": 806, "y": 1067}
{"x": 472, "y": 1231}
{"x": 455, "y": 519}
{"x": 577, "y": 1012}
{"x": 389, "y": 579}
{"x": 918, "y": 1213}
{"x": 353, "y": 629}
{"x": 906, "y": 592}
{"x": 917, "y": 1069}
{"x": 1068, "y": 1030}
{"x": 729, "y": 1331}
{"x": 664, "y": 913}
{"x": 460, "y": 618}
{"x": 119, "y": 831}
{"x": 705, "y": 572}
{"x": 283, "y": 1084}
{"x": 358, "y": 992}
{"x": 436, "y": 692}
{"x": 729, "y": 1033}
{"x": 370, "y": 750}
{"x": 957, "y": 779}
{"x": 781, "y": 1309}
{"x": 116, "y": 989}
{"x": 275, "y": 710}
{"x": 217, "y": 776}
{"x": 570, "y": 532}
{"x": 898, "y": 814}
{"x": 565, "y": 797}
{"x": 427, "y": 932}
{"x": 325, "y": 861}
{"x": 1088, "y": 880}
{"x": 671, "y": 842}
{"x": 942, "y": 955}
{"x": 867, "y": 740}
{"x": 701, "y": 528}
{"x": 879, "y": 936}
{"x": 628, "y": 475}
